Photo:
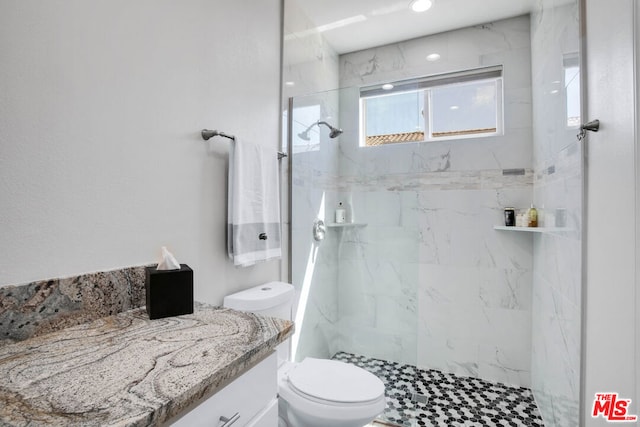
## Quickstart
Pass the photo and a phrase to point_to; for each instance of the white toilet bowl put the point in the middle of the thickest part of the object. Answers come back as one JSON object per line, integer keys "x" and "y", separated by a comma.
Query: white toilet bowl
{"x": 323, "y": 393}
{"x": 314, "y": 392}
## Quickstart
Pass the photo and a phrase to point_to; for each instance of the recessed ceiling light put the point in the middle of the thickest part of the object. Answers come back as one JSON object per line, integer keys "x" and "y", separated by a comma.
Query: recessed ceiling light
{"x": 555, "y": 91}
{"x": 387, "y": 86}
{"x": 289, "y": 83}
{"x": 454, "y": 107}
{"x": 421, "y": 5}
{"x": 433, "y": 57}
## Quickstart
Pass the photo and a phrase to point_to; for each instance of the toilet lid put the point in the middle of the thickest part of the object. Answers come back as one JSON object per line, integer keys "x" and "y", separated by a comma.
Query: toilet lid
{"x": 335, "y": 381}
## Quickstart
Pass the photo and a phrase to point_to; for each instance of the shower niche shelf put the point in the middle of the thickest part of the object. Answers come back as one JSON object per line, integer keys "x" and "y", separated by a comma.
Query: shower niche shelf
{"x": 346, "y": 225}
{"x": 532, "y": 229}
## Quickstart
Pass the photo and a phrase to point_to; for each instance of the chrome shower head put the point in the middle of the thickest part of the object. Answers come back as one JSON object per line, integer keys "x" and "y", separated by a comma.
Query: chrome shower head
{"x": 305, "y": 135}
{"x": 333, "y": 132}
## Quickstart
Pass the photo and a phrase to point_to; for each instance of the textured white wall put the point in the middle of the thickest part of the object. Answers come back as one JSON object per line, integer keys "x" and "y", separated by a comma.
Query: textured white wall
{"x": 611, "y": 326}
{"x": 101, "y": 104}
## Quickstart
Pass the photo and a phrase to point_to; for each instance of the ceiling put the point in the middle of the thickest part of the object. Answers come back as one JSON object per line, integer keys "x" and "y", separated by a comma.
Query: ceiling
{"x": 351, "y": 25}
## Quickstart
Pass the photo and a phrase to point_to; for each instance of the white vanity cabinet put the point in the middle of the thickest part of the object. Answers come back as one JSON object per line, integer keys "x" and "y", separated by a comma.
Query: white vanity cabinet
{"x": 251, "y": 400}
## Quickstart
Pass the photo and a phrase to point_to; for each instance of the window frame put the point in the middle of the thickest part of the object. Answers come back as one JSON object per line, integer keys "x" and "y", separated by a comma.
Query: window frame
{"x": 499, "y": 113}
{"x": 571, "y": 60}
{"x": 425, "y": 84}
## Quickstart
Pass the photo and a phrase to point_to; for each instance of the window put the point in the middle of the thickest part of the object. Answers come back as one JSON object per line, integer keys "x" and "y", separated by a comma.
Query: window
{"x": 394, "y": 117}
{"x": 458, "y": 105}
{"x": 571, "y": 63}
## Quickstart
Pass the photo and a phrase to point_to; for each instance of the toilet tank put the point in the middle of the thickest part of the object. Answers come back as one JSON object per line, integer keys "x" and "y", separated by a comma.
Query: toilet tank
{"x": 273, "y": 299}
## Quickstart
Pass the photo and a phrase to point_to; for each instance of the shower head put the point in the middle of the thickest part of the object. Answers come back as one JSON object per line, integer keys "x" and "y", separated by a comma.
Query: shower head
{"x": 305, "y": 135}
{"x": 333, "y": 132}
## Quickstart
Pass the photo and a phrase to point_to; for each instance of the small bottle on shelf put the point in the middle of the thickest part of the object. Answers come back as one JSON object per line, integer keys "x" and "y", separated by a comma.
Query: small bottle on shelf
{"x": 340, "y": 214}
{"x": 509, "y": 217}
{"x": 532, "y": 217}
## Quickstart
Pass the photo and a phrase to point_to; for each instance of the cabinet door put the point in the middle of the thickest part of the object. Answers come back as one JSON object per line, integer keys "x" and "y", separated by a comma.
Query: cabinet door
{"x": 239, "y": 402}
{"x": 268, "y": 417}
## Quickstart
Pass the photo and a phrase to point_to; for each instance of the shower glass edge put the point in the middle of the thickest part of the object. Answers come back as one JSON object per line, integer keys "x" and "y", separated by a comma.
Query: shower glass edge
{"x": 357, "y": 288}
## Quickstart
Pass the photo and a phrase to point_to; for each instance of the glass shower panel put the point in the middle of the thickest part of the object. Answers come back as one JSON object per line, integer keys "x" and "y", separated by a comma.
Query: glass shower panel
{"x": 559, "y": 169}
{"x": 313, "y": 262}
{"x": 357, "y": 286}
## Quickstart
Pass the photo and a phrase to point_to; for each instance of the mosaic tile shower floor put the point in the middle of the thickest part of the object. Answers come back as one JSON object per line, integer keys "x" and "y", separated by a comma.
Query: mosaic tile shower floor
{"x": 421, "y": 397}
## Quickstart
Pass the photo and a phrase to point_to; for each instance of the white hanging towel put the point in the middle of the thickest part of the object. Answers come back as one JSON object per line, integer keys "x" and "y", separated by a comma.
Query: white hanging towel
{"x": 253, "y": 218}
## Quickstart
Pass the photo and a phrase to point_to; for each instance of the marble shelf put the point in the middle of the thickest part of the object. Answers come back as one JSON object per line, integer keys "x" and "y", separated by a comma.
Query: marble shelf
{"x": 532, "y": 229}
{"x": 346, "y": 225}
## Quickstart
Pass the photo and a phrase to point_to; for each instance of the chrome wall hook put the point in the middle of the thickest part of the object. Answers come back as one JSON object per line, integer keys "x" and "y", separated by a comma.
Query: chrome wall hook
{"x": 593, "y": 126}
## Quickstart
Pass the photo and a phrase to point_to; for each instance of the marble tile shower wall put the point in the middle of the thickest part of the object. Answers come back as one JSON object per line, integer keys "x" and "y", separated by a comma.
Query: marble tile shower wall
{"x": 44, "y": 306}
{"x": 314, "y": 272}
{"x": 556, "y": 323}
{"x": 310, "y": 66}
{"x": 429, "y": 281}
{"x": 309, "y": 63}
{"x": 505, "y": 43}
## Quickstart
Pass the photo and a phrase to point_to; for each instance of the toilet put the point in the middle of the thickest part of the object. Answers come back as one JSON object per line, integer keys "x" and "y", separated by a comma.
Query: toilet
{"x": 313, "y": 392}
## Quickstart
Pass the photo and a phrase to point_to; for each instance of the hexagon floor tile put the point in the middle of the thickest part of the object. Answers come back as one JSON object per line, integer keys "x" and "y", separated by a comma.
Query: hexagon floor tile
{"x": 425, "y": 397}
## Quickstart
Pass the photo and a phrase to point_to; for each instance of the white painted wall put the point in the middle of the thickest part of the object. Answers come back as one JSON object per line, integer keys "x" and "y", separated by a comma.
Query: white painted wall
{"x": 611, "y": 328}
{"x": 101, "y": 104}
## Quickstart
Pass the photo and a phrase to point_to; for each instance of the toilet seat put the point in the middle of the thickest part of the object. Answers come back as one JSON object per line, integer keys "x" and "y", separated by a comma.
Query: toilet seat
{"x": 334, "y": 382}
{"x": 302, "y": 402}
{"x": 326, "y": 407}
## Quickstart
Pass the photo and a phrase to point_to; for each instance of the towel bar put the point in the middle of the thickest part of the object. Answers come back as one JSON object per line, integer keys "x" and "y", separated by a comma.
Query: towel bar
{"x": 207, "y": 134}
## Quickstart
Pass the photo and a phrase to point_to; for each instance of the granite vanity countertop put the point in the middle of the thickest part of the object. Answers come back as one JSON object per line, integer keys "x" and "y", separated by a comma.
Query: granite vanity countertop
{"x": 127, "y": 370}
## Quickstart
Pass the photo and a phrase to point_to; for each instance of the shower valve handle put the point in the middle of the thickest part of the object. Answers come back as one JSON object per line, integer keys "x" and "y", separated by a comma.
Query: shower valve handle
{"x": 319, "y": 230}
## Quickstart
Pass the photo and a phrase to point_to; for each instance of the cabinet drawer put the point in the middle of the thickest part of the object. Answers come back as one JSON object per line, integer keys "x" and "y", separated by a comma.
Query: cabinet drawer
{"x": 247, "y": 396}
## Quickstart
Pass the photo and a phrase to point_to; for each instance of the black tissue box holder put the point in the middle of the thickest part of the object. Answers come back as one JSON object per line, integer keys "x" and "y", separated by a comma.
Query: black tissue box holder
{"x": 169, "y": 292}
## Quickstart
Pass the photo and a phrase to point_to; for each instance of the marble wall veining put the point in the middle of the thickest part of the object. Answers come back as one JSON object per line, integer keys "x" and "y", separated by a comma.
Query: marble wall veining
{"x": 310, "y": 63}
{"x": 505, "y": 43}
{"x": 424, "y": 278}
{"x": 432, "y": 279}
{"x": 429, "y": 276}
{"x": 310, "y": 70}
{"x": 556, "y": 322}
